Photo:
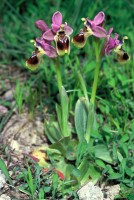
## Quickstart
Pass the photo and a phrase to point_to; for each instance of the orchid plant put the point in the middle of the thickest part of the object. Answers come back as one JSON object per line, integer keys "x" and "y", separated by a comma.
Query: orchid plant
{"x": 64, "y": 148}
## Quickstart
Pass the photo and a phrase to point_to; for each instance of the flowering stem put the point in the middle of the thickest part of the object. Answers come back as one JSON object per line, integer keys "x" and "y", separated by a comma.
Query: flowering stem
{"x": 83, "y": 86}
{"x": 96, "y": 75}
{"x": 58, "y": 72}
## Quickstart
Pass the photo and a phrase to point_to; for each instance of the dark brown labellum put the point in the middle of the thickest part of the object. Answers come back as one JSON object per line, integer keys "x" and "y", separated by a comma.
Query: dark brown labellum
{"x": 125, "y": 56}
{"x": 33, "y": 60}
{"x": 62, "y": 42}
{"x": 79, "y": 38}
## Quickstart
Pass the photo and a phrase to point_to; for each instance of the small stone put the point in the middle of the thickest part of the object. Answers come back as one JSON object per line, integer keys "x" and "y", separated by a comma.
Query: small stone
{"x": 15, "y": 145}
{"x": 3, "y": 110}
{"x": 8, "y": 95}
{"x": 90, "y": 192}
{"x": 111, "y": 192}
{"x": 4, "y": 197}
{"x": 2, "y": 180}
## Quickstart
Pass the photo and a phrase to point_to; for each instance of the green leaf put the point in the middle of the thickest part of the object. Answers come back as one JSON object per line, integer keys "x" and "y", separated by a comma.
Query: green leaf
{"x": 108, "y": 169}
{"x": 120, "y": 157}
{"x": 71, "y": 150}
{"x": 130, "y": 197}
{"x": 88, "y": 171}
{"x": 81, "y": 151}
{"x": 124, "y": 138}
{"x": 83, "y": 86}
{"x": 126, "y": 181}
{"x": 115, "y": 176}
{"x": 83, "y": 167}
{"x": 24, "y": 191}
{"x": 94, "y": 173}
{"x": 115, "y": 158}
{"x": 129, "y": 172}
{"x": 66, "y": 147}
{"x": 41, "y": 194}
{"x": 124, "y": 149}
{"x": 123, "y": 163}
{"x": 91, "y": 126}
{"x": 61, "y": 145}
{"x": 52, "y": 131}
{"x": 72, "y": 173}
{"x": 55, "y": 179}
{"x": 81, "y": 116}
{"x": 100, "y": 163}
{"x": 47, "y": 189}
{"x": 75, "y": 172}
{"x": 59, "y": 115}
{"x": 3, "y": 168}
{"x": 30, "y": 181}
{"x": 101, "y": 152}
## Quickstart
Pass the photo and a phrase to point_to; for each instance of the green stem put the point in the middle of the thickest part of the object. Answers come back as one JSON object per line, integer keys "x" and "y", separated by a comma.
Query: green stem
{"x": 58, "y": 73}
{"x": 96, "y": 75}
{"x": 82, "y": 83}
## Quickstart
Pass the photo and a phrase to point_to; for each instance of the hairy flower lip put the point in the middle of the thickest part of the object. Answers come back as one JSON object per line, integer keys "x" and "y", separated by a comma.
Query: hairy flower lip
{"x": 123, "y": 58}
{"x": 80, "y": 39}
{"x": 33, "y": 62}
{"x": 62, "y": 42}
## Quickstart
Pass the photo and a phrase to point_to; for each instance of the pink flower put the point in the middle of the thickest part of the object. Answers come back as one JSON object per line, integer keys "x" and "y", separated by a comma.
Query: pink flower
{"x": 48, "y": 50}
{"x": 43, "y": 43}
{"x": 57, "y": 26}
{"x": 95, "y": 26}
{"x": 114, "y": 44}
{"x": 41, "y": 25}
{"x": 42, "y": 48}
{"x": 59, "y": 33}
{"x": 91, "y": 27}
